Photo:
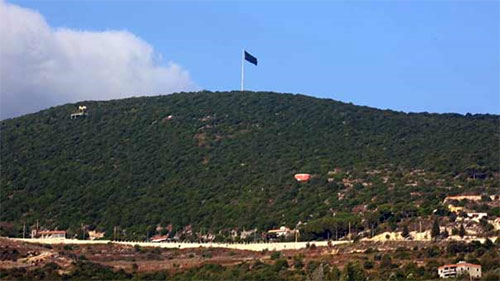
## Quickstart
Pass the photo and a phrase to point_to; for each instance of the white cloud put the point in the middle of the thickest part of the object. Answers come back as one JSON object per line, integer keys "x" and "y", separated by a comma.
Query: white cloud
{"x": 41, "y": 66}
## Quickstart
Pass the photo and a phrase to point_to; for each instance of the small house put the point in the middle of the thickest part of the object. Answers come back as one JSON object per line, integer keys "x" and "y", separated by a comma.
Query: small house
{"x": 159, "y": 238}
{"x": 461, "y": 268}
{"x": 281, "y": 232}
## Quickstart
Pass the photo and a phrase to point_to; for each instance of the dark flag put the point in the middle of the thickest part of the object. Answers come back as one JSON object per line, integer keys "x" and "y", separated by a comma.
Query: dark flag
{"x": 250, "y": 58}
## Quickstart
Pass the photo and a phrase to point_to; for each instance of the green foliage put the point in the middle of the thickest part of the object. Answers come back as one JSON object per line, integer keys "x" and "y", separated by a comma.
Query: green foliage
{"x": 353, "y": 272}
{"x": 405, "y": 232}
{"x": 461, "y": 232}
{"x": 386, "y": 261}
{"x": 226, "y": 160}
{"x": 298, "y": 262}
{"x": 331, "y": 227}
{"x": 275, "y": 255}
{"x": 493, "y": 276}
{"x": 435, "y": 231}
{"x": 444, "y": 234}
{"x": 368, "y": 265}
{"x": 280, "y": 264}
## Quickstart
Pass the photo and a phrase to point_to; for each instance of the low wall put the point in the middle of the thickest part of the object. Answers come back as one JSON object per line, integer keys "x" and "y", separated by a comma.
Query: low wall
{"x": 276, "y": 246}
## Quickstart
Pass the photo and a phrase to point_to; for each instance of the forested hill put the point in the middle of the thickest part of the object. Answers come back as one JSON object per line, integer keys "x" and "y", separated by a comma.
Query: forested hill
{"x": 227, "y": 159}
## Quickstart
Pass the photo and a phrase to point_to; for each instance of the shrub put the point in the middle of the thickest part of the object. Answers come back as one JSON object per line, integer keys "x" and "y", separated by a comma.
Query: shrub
{"x": 368, "y": 265}
{"x": 369, "y": 251}
{"x": 275, "y": 255}
{"x": 386, "y": 261}
{"x": 298, "y": 262}
{"x": 207, "y": 254}
{"x": 353, "y": 272}
{"x": 280, "y": 264}
{"x": 137, "y": 248}
{"x": 462, "y": 232}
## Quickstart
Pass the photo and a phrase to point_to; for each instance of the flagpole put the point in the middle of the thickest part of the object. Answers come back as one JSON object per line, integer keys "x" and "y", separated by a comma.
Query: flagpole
{"x": 242, "y": 68}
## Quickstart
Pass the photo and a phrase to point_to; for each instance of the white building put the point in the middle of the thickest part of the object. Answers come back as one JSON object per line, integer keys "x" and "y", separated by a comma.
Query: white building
{"x": 159, "y": 238}
{"x": 454, "y": 270}
{"x": 282, "y": 232}
{"x": 463, "y": 197}
{"x": 94, "y": 234}
{"x": 477, "y": 216}
{"x": 49, "y": 234}
{"x": 82, "y": 111}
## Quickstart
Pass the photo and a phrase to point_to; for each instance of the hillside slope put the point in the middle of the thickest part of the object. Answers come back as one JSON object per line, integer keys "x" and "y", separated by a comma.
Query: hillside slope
{"x": 226, "y": 159}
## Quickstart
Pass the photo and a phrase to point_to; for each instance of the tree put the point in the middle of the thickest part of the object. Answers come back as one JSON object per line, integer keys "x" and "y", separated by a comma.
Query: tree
{"x": 405, "y": 233}
{"x": 333, "y": 274}
{"x": 298, "y": 262}
{"x": 275, "y": 255}
{"x": 453, "y": 217}
{"x": 318, "y": 274}
{"x": 492, "y": 276}
{"x": 280, "y": 264}
{"x": 444, "y": 234}
{"x": 435, "y": 229}
{"x": 368, "y": 265}
{"x": 461, "y": 232}
{"x": 353, "y": 272}
{"x": 386, "y": 261}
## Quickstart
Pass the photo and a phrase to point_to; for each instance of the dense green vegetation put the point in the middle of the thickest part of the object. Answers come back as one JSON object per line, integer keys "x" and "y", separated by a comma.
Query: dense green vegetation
{"x": 227, "y": 160}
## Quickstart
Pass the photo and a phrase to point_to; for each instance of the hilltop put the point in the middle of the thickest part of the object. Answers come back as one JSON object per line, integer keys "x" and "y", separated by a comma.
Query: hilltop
{"x": 227, "y": 160}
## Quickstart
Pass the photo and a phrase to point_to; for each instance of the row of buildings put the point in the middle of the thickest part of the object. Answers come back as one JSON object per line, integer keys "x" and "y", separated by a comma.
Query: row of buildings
{"x": 273, "y": 234}
{"x": 444, "y": 271}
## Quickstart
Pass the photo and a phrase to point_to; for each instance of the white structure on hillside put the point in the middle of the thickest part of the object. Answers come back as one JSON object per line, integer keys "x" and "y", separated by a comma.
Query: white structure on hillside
{"x": 94, "y": 234}
{"x": 463, "y": 197}
{"x": 159, "y": 238}
{"x": 282, "y": 232}
{"x": 477, "y": 216}
{"x": 454, "y": 270}
{"x": 82, "y": 111}
{"x": 49, "y": 234}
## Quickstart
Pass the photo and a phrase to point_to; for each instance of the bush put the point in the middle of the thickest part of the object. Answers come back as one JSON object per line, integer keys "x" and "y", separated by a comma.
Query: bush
{"x": 298, "y": 262}
{"x": 207, "y": 254}
{"x": 312, "y": 265}
{"x": 492, "y": 276}
{"x": 435, "y": 229}
{"x": 275, "y": 255}
{"x": 369, "y": 251}
{"x": 368, "y": 265}
{"x": 386, "y": 261}
{"x": 280, "y": 264}
{"x": 405, "y": 232}
{"x": 433, "y": 251}
{"x": 137, "y": 248}
{"x": 353, "y": 272}
{"x": 461, "y": 231}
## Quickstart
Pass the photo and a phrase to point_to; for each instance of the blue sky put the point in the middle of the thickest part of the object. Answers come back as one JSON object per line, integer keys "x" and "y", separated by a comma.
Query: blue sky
{"x": 413, "y": 56}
